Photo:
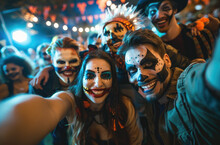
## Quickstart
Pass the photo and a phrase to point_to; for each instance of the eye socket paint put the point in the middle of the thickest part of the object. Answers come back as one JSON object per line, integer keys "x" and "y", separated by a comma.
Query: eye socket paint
{"x": 89, "y": 75}
{"x": 106, "y": 75}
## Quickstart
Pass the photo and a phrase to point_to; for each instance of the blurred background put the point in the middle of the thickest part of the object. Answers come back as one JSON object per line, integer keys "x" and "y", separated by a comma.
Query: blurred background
{"x": 27, "y": 23}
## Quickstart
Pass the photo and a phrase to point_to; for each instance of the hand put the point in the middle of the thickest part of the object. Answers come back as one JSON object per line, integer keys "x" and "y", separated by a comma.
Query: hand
{"x": 43, "y": 75}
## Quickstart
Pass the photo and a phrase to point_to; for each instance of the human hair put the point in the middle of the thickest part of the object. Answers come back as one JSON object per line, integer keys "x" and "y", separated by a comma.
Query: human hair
{"x": 113, "y": 109}
{"x": 17, "y": 60}
{"x": 141, "y": 37}
{"x": 65, "y": 42}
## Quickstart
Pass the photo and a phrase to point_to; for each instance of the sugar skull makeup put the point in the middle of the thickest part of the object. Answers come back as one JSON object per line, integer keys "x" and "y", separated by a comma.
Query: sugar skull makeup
{"x": 13, "y": 71}
{"x": 97, "y": 80}
{"x": 147, "y": 70}
{"x": 113, "y": 34}
{"x": 66, "y": 62}
{"x": 160, "y": 14}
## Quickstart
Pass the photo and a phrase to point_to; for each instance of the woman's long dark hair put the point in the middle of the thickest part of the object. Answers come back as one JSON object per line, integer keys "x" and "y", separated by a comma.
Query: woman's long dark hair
{"x": 17, "y": 60}
{"x": 114, "y": 108}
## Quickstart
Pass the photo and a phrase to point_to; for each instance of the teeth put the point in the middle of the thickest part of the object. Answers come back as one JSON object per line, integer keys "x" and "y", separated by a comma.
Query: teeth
{"x": 161, "y": 22}
{"x": 117, "y": 44}
{"x": 67, "y": 73}
{"x": 149, "y": 86}
{"x": 97, "y": 92}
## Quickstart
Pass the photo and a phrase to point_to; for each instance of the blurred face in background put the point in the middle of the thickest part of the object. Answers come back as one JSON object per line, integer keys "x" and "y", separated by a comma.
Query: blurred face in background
{"x": 12, "y": 71}
{"x": 66, "y": 62}
{"x": 45, "y": 57}
{"x": 97, "y": 80}
{"x": 114, "y": 32}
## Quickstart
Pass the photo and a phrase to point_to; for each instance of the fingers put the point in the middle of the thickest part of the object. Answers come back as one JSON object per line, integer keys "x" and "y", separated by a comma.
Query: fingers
{"x": 195, "y": 31}
{"x": 38, "y": 84}
{"x": 45, "y": 79}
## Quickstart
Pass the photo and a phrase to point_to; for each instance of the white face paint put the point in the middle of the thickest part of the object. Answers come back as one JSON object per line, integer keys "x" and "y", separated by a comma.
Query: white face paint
{"x": 114, "y": 32}
{"x": 66, "y": 62}
{"x": 161, "y": 14}
{"x": 143, "y": 65}
{"x": 13, "y": 71}
{"x": 97, "y": 80}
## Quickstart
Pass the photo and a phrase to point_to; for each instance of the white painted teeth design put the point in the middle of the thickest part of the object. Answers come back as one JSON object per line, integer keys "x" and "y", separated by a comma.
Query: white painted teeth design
{"x": 149, "y": 86}
{"x": 97, "y": 92}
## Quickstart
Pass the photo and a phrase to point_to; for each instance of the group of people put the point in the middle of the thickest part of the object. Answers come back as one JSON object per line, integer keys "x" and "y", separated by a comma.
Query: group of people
{"x": 137, "y": 89}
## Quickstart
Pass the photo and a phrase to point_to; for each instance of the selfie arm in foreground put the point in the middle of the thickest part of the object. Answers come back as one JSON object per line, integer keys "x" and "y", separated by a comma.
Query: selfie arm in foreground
{"x": 26, "y": 119}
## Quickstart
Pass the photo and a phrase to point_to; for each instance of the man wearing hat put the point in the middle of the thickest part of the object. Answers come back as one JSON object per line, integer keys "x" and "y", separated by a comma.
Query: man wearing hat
{"x": 162, "y": 15}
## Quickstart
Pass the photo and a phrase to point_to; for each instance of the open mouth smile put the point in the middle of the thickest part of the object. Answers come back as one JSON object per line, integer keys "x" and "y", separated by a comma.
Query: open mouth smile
{"x": 97, "y": 93}
{"x": 147, "y": 87}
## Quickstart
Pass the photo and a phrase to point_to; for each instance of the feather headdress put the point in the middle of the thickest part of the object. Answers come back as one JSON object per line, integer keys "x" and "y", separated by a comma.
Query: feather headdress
{"x": 128, "y": 16}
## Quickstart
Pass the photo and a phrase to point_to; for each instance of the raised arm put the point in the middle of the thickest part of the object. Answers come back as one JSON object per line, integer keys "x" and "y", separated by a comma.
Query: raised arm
{"x": 26, "y": 119}
{"x": 43, "y": 75}
{"x": 213, "y": 70}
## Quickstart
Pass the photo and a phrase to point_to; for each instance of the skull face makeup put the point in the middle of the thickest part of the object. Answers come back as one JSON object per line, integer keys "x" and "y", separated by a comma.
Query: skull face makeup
{"x": 113, "y": 34}
{"x": 161, "y": 15}
{"x": 147, "y": 70}
{"x": 66, "y": 62}
{"x": 97, "y": 80}
{"x": 12, "y": 71}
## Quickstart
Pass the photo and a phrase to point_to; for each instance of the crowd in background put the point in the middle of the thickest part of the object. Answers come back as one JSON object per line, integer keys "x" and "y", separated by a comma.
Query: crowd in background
{"x": 43, "y": 71}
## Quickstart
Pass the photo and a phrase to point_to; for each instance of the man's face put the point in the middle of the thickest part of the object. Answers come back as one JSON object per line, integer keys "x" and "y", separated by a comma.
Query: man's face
{"x": 13, "y": 71}
{"x": 161, "y": 15}
{"x": 97, "y": 80}
{"x": 66, "y": 62}
{"x": 45, "y": 57}
{"x": 114, "y": 32}
{"x": 147, "y": 70}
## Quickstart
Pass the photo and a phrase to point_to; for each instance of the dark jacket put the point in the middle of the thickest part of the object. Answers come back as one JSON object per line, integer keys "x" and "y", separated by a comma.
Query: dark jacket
{"x": 187, "y": 115}
{"x": 193, "y": 46}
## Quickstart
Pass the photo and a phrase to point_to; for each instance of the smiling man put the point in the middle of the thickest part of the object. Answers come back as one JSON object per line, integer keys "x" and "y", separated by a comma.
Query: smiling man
{"x": 162, "y": 15}
{"x": 65, "y": 62}
{"x": 176, "y": 106}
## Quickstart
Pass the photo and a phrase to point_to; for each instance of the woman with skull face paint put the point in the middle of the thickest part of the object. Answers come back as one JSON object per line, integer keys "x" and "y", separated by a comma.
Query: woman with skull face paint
{"x": 95, "y": 109}
{"x": 15, "y": 73}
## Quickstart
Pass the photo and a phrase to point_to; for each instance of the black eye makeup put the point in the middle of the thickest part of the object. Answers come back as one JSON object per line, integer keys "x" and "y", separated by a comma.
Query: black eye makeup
{"x": 106, "y": 32}
{"x": 106, "y": 75}
{"x": 149, "y": 61}
{"x": 60, "y": 62}
{"x": 73, "y": 61}
{"x": 132, "y": 69}
{"x": 89, "y": 75}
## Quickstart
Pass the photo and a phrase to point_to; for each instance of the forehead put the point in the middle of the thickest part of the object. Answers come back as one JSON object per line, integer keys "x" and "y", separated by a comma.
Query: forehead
{"x": 9, "y": 65}
{"x": 158, "y": 4}
{"x": 95, "y": 63}
{"x": 63, "y": 52}
{"x": 113, "y": 25}
{"x": 136, "y": 54}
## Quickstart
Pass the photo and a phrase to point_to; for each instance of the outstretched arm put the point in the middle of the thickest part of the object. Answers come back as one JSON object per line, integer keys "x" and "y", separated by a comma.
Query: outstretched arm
{"x": 26, "y": 119}
{"x": 213, "y": 70}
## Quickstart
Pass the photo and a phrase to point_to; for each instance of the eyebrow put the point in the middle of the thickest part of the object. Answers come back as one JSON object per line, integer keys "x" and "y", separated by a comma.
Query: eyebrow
{"x": 89, "y": 71}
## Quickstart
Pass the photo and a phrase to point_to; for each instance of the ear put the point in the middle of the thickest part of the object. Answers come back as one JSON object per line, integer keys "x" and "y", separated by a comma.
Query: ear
{"x": 167, "y": 60}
